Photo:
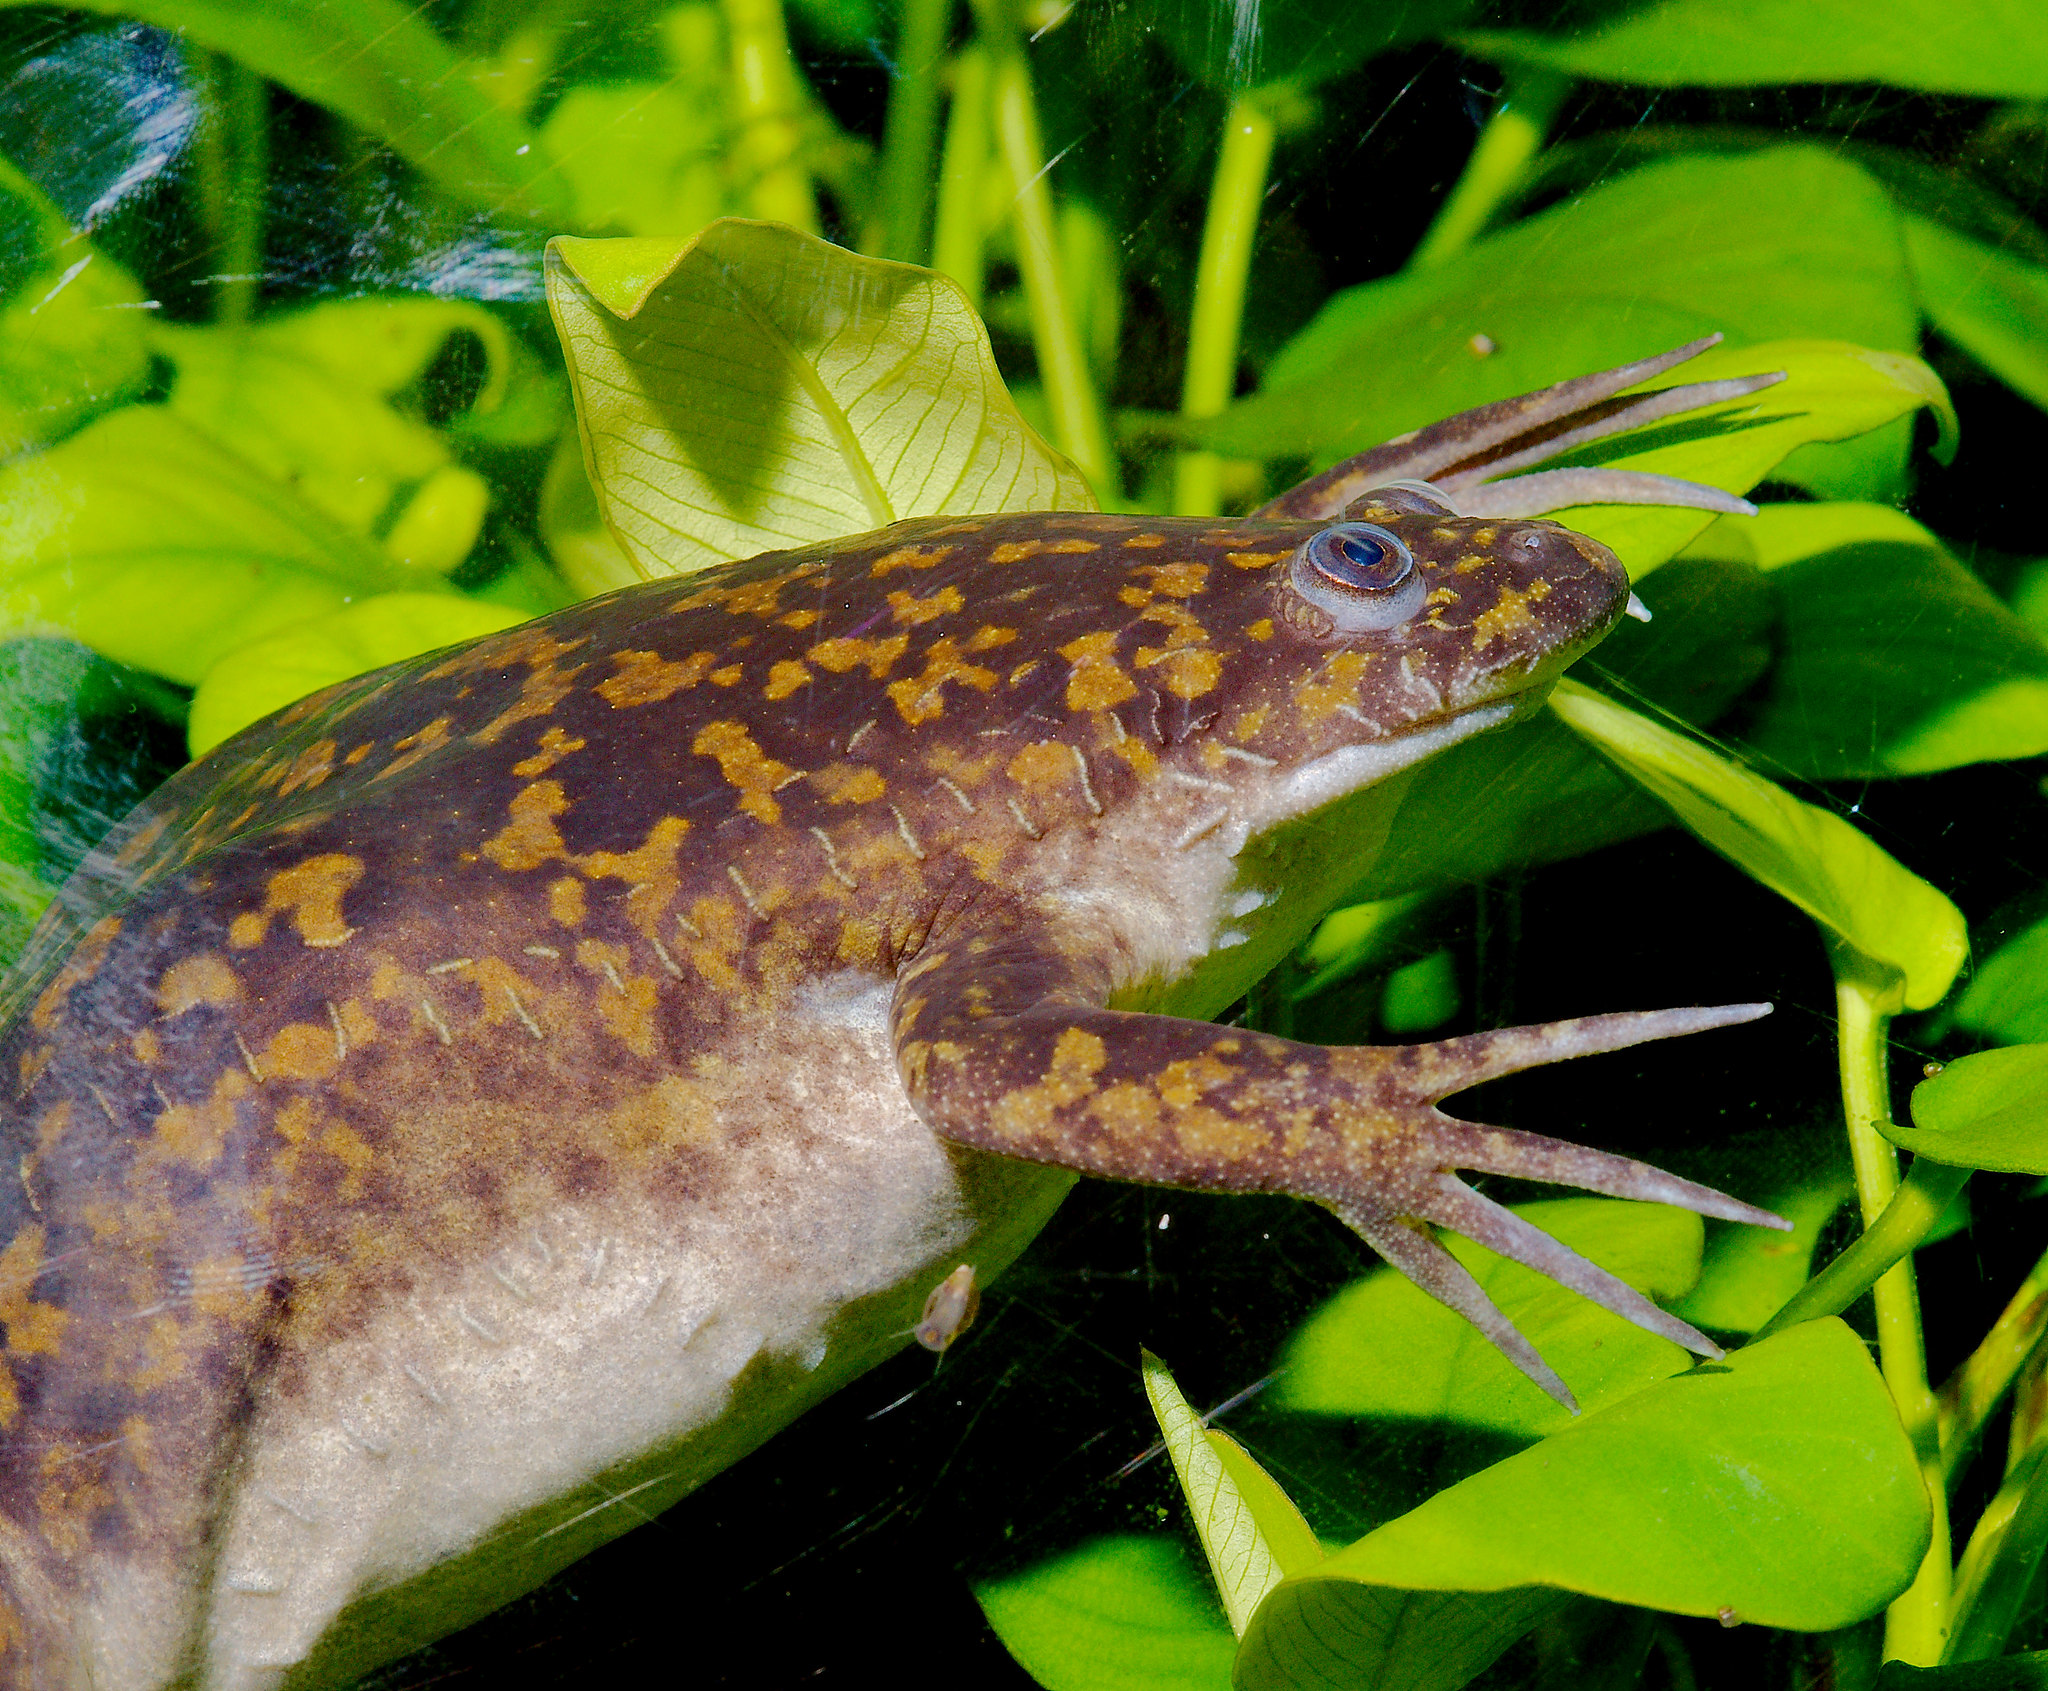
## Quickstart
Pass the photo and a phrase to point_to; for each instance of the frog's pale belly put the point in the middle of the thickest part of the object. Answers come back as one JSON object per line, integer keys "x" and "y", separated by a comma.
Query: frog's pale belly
{"x": 508, "y": 1388}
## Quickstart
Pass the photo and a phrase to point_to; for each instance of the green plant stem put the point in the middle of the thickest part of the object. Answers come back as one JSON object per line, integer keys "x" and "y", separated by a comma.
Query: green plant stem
{"x": 1077, "y": 421}
{"x": 1511, "y": 139}
{"x": 910, "y": 130}
{"x": 234, "y": 176}
{"x": 958, "y": 238}
{"x": 1867, "y": 995}
{"x": 1909, "y": 1217}
{"x": 1999, "y": 1566}
{"x": 1214, "y": 329}
{"x": 768, "y": 105}
{"x": 1969, "y": 1395}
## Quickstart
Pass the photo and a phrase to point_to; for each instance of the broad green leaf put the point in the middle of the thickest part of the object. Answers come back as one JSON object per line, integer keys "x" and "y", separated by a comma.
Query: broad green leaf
{"x": 1382, "y": 1348}
{"x": 1339, "y": 1635}
{"x": 1353, "y": 938}
{"x": 71, "y": 338}
{"x": 1241, "y": 1562}
{"x": 1994, "y": 47}
{"x": 1790, "y": 243}
{"x": 1776, "y": 1487}
{"x": 1118, "y": 1614}
{"x": 1892, "y": 657}
{"x": 755, "y": 388}
{"x": 268, "y": 674}
{"x": 306, "y": 397}
{"x": 1989, "y": 1110}
{"x": 142, "y": 538}
{"x": 380, "y": 65}
{"x": 1991, "y": 304}
{"x": 2007, "y": 998}
{"x": 1863, "y": 896}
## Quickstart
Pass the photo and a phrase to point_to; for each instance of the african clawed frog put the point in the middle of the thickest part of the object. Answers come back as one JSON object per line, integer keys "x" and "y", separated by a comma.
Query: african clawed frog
{"x": 557, "y": 1061}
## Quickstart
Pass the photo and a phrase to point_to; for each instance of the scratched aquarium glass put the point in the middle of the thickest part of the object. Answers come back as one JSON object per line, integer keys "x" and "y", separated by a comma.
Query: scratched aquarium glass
{"x": 282, "y": 401}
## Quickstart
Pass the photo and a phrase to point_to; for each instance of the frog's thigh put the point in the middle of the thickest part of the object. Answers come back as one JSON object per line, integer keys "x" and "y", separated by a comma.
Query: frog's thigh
{"x": 586, "y": 1332}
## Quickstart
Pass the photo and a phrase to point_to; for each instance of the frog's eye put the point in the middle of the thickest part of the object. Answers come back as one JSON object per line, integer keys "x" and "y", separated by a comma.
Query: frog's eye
{"x": 1361, "y": 575}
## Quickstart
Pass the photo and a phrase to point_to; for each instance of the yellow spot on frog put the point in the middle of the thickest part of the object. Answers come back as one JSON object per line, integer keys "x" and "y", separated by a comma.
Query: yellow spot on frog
{"x": 1175, "y": 581}
{"x": 843, "y": 654}
{"x": 744, "y": 766}
{"x": 1026, "y": 1113}
{"x": 846, "y": 783}
{"x": 987, "y": 637}
{"x": 1075, "y": 545}
{"x": 1098, "y": 682}
{"x": 1335, "y": 688}
{"x": 784, "y": 678}
{"x": 301, "y": 1051}
{"x": 1261, "y": 630}
{"x": 194, "y": 1133}
{"x": 1510, "y": 614}
{"x": 798, "y": 619}
{"x": 554, "y": 746}
{"x": 531, "y": 837}
{"x": 729, "y": 676}
{"x": 192, "y": 981}
{"x": 922, "y": 697}
{"x": 1145, "y": 540}
{"x": 1015, "y": 551}
{"x": 1254, "y": 560}
{"x": 909, "y": 558}
{"x": 312, "y": 891}
{"x": 414, "y": 747}
{"x": 565, "y": 901}
{"x": 32, "y": 1328}
{"x": 647, "y": 678}
{"x": 908, "y": 608}
{"x": 310, "y": 767}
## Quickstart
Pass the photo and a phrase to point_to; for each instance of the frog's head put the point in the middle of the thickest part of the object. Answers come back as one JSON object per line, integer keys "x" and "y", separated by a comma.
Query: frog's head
{"x": 1347, "y": 650}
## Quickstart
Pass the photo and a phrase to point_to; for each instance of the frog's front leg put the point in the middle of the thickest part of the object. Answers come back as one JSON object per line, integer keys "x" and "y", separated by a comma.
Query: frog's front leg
{"x": 1004, "y": 1043}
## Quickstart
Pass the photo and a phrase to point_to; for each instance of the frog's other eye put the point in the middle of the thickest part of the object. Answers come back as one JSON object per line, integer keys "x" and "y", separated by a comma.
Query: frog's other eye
{"x": 1402, "y": 498}
{"x": 1361, "y": 575}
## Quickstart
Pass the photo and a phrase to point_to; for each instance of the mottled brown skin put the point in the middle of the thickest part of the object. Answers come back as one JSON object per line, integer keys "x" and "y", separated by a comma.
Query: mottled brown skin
{"x": 544, "y": 900}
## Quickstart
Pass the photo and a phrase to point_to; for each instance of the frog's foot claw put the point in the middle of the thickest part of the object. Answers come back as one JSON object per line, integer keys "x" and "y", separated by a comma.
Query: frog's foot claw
{"x": 1456, "y": 1206}
{"x": 1408, "y": 1246}
{"x": 1450, "y": 1065}
{"x": 1555, "y": 490}
{"x": 1475, "y": 447}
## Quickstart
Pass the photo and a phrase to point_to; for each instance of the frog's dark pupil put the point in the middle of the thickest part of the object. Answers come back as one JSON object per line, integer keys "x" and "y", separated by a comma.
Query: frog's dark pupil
{"x": 1362, "y": 555}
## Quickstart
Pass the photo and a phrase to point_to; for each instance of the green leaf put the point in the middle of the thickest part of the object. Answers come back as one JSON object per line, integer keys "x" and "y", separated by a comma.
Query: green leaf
{"x": 1290, "y": 1538}
{"x": 1118, "y": 1614}
{"x": 268, "y": 674}
{"x": 1776, "y": 1487}
{"x": 755, "y": 388}
{"x": 1790, "y": 243}
{"x": 1991, "y": 304}
{"x": 1381, "y": 1347}
{"x": 142, "y": 538}
{"x": 1893, "y": 658}
{"x": 1859, "y": 893}
{"x": 1989, "y": 1110}
{"x": 1993, "y": 47}
{"x": 2027, "y": 1672}
{"x": 2007, "y": 998}
{"x": 306, "y": 397}
{"x": 381, "y": 66}
{"x": 1241, "y": 1561}
{"x": 71, "y": 338}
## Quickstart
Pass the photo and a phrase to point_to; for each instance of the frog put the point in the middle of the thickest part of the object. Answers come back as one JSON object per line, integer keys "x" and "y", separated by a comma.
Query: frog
{"x": 528, "y": 1076}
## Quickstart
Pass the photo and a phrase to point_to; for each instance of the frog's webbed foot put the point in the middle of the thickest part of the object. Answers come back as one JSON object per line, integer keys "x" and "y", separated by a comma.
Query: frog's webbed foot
{"x": 1467, "y": 456}
{"x": 1438, "y": 1196}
